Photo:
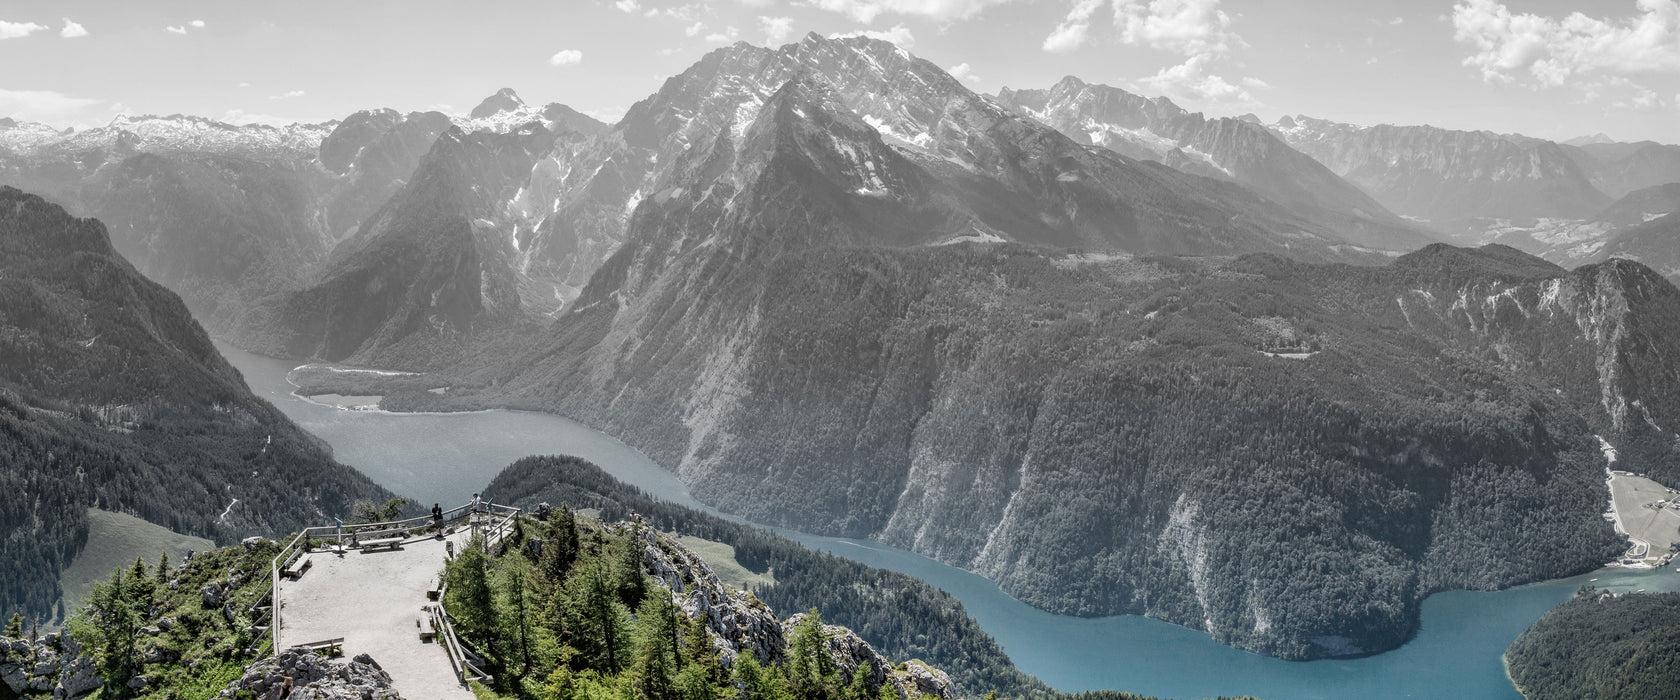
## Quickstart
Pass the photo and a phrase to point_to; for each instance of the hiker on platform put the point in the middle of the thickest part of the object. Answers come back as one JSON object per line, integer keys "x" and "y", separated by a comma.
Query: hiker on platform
{"x": 437, "y": 516}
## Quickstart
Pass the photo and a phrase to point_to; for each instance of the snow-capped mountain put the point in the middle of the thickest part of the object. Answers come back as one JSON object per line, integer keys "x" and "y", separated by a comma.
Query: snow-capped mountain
{"x": 1445, "y": 176}
{"x": 167, "y": 134}
{"x": 1232, "y": 148}
{"x": 581, "y": 198}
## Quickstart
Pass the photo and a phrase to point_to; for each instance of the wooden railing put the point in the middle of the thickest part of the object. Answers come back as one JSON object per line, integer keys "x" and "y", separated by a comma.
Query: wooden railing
{"x": 502, "y": 518}
{"x": 458, "y": 654}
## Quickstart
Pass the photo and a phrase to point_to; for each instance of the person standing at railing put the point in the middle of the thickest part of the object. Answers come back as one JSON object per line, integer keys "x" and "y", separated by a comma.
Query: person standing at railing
{"x": 437, "y": 517}
{"x": 477, "y": 504}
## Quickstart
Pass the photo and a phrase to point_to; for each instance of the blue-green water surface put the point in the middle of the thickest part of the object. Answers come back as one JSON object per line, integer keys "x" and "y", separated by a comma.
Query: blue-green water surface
{"x": 444, "y": 458}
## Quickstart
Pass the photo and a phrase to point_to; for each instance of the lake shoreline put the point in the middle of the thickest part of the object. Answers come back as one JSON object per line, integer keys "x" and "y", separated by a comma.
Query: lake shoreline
{"x": 1458, "y": 638}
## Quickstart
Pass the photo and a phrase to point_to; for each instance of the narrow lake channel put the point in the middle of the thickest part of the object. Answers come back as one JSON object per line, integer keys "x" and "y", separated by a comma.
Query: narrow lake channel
{"x": 446, "y": 457}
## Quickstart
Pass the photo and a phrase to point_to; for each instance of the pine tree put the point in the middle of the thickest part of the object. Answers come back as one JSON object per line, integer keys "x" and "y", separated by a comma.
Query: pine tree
{"x": 658, "y": 658}
{"x": 469, "y": 598}
{"x": 514, "y": 604}
{"x": 14, "y": 626}
{"x": 561, "y": 550}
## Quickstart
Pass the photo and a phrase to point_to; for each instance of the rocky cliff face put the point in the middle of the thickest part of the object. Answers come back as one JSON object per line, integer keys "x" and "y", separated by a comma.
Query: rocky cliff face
{"x": 1102, "y": 434}
{"x": 434, "y": 266}
{"x": 1446, "y": 176}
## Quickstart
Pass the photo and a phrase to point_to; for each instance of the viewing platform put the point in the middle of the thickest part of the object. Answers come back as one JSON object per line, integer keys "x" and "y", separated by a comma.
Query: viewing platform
{"x": 375, "y": 588}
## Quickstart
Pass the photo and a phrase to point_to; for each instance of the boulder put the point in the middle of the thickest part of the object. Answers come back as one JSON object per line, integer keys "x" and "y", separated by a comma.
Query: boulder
{"x": 315, "y": 677}
{"x": 212, "y": 594}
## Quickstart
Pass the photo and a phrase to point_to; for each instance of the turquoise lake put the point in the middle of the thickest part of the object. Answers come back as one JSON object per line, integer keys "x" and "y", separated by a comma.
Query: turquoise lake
{"x": 444, "y": 458}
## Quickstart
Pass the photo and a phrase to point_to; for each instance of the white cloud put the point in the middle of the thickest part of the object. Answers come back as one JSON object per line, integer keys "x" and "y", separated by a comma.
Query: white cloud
{"x": 18, "y": 30}
{"x": 899, "y": 34}
{"x": 43, "y": 106}
{"x": 1184, "y": 27}
{"x": 72, "y": 30}
{"x": 293, "y": 94}
{"x": 962, "y": 71}
{"x": 1257, "y": 83}
{"x": 866, "y": 11}
{"x": 1397, "y": 21}
{"x": 727, "y": 35}
{"x": 175, "y": 30}
{"x": 630, "y": 6}
{"x": 694, "y": 29}
{"x": 197, "y": 24}
{"x": 566, "y": 57}
{"x": 1549, "y": 52}
{"x": 1070, "y": 34}
{"x": 244, "y": 84}
{"x": 1190, "y": 81}
{"x": 776, "y": 29}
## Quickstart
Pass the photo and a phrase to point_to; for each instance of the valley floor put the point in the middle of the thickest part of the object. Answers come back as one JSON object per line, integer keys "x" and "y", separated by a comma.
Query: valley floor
{"x": 1649, "y": 514}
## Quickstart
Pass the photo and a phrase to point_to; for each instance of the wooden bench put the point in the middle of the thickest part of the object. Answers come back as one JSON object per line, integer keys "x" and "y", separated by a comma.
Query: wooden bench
{"x": 428, "y": 630}
{"x": 376, "y": 540}
{"x": 330, "y": 647}
{"x": 295, "y": 569}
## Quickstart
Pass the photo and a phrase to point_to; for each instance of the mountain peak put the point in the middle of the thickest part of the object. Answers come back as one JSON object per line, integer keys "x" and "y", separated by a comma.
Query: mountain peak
{"x": 505, "y": 100}
{"x": 1070, "y": 82}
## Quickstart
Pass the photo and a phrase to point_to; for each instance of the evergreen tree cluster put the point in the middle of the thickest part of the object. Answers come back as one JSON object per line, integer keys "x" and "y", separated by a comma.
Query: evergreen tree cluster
{"x": 584, "y": 621}
{"x": 901, "y": 616}
{"x": 1601, "y": 646}
{"x": 155, "y": 621}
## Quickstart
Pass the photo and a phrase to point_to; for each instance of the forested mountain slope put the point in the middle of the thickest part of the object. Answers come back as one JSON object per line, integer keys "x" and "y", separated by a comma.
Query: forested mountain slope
{"x": 112, "y": 396}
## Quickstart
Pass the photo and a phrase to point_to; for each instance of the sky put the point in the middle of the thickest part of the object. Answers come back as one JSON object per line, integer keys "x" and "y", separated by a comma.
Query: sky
{"x": 1545, "y": 68}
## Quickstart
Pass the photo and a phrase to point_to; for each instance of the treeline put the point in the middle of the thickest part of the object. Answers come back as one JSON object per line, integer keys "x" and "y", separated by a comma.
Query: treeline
{"x": 901, "y": 616}
{"x": 1601, "y": 646}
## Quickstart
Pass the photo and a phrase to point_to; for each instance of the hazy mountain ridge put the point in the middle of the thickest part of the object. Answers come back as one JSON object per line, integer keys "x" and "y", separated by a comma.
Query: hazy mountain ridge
{"x": 111, "y": 395}
{"x": 1157, "y": 129}
{"x": 1446, "y": 176}
{"x": 1621, "y": 168}
{"x": 430, "y": 268}
{"x": 227, "y": 215}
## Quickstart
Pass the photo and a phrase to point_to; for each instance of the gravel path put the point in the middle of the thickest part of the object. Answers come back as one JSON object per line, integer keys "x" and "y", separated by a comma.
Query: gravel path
{"x": 372, "y": 600}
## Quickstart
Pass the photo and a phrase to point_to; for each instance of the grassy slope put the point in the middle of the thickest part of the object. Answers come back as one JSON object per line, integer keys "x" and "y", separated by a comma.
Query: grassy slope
{"x": 114, "y": 540}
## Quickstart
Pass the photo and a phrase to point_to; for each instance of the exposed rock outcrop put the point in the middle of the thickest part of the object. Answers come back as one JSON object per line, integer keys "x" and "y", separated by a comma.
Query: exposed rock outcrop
{"x": 359, "y": 679}
{"x": 738, "y": 622}
{"x": 52, "y": 663}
